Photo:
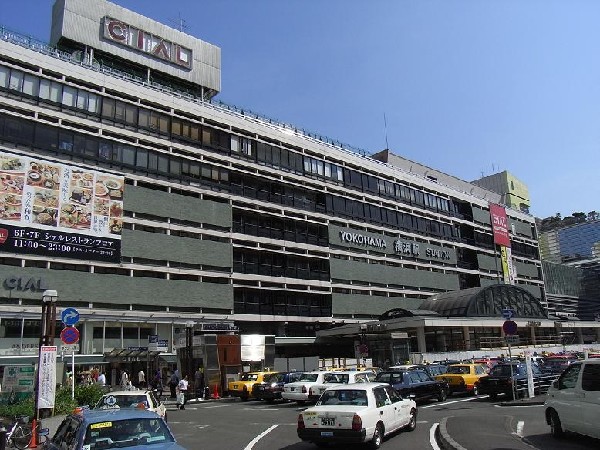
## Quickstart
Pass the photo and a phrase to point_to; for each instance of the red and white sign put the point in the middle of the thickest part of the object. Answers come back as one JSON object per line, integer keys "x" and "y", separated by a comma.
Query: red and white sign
{"x": 125, "y": 34}
{"x": 499, "y": 225}
{"x": 47, "y": 376}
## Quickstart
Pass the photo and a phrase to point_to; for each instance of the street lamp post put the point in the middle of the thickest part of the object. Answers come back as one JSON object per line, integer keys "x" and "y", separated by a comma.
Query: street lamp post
{"x": 189, "y": 348}
{"x": 47, "y": 333}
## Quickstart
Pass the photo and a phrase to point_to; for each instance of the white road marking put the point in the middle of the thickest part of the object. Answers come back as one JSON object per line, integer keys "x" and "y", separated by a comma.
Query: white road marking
{"x": 433, "y": 405}
{"x": 261, "y": 409}
{"x": 215, "y": 406}
{"x": 520, "y": 426}
{"x": 259, "y": 437}
{"x": 432, "y": 441}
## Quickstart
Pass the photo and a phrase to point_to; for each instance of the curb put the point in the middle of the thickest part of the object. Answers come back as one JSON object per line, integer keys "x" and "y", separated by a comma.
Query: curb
{"x": 444, "y": 439}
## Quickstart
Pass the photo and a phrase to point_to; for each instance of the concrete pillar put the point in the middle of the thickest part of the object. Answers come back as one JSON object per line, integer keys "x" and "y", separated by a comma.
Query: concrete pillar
{"x": 579, "y": 333}
{"x": 421, "y": 345}
{"x": 532, "y": 333}
{"x": 467, "y": 338}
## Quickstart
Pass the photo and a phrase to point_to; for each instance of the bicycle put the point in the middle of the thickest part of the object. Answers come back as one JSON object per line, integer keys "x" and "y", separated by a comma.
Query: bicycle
{"x": 19, "y": 434}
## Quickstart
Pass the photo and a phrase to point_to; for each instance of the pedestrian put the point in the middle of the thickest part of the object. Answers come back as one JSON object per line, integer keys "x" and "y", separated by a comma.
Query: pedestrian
{"x": 141, "y": 379}
{"x": 173, "y": 383}
{"x": 182, "y": 388}
{"x": 101, "y": 379}
{"x": 199, "y": 382}
{"x": 157, "y": 384}
{"x": 124, "y": 379}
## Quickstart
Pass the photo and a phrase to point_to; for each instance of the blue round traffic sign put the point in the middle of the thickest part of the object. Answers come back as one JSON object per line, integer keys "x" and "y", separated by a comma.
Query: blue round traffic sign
{"x": 510, "y": 327}
{"x": 70, "y": 316}
{"x": 69, "y": 335}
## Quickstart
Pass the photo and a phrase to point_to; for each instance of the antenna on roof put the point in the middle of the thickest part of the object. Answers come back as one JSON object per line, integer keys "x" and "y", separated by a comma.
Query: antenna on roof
{"x": 179, "y": 23}
{"x": 387, "y": 146}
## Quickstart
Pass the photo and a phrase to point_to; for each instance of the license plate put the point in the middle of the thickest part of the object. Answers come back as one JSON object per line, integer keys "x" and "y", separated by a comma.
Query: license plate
{"x": 328, "y": 421}
{"x": 327, "y": 433}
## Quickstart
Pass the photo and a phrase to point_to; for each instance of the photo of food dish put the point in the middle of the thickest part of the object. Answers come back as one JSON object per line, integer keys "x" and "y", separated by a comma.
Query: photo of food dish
{"x": 116, "y": 210}
{"x": 75, "y": 216}
{"x": 43, "y": 175}
{"x": 45, "y": 216}
{"x": 114, "y": 186}
{"x": 81, "y": 195}
{"x": 10, "y": 206}
{"x": 101, "y": 206}
{"x": 11, "y": 163}
{"x": 46, "y": 198}
{"x": 100, "y": 190}
{"x": 115, "y": 226}
{"x": 12, "y": 183}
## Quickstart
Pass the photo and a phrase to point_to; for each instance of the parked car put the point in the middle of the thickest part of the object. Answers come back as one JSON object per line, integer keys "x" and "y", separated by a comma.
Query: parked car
{"x": 299, "y": 390}
{"x": 510, "y": 379}
{"x": 271, "y": 388}
{"x": 414, "y": 382}
{"x": 463, "y": 378}
{"x": 432, "y": 369}
{"x": 243, "y": 387}
{"x": 357, "y": 413}
{"x": 88, "y": 429}
{"x": 132, "y": 399}
{"x": 343, "y": 377}
{"x": 573, "y": 401}
{"x": 557, "y": 364}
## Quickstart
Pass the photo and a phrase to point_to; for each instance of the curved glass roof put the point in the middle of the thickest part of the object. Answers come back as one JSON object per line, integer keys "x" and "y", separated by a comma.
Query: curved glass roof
{"x": 486, "y": 301}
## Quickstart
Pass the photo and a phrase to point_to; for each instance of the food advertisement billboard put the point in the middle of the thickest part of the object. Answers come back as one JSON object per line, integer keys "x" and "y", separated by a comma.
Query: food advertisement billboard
{"x": 54, "y": 209}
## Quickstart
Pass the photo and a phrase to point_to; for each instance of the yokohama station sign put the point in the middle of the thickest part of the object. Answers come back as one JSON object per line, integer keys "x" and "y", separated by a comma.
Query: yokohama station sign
{"x": 125, "y": 34}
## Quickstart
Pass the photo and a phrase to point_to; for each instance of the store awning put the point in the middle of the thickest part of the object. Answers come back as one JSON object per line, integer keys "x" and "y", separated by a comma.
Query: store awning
{"x": 130, "y": 354}
{"x": 30, "y": 360}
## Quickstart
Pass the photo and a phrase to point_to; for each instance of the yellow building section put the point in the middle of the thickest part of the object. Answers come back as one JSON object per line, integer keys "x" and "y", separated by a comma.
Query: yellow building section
{"x": 517, "y": 195}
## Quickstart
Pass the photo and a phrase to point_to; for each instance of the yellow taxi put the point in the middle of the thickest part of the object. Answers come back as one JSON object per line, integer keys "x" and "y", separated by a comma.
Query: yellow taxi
{"x": 463, "y": 377}
{"x": 243, "y": 387}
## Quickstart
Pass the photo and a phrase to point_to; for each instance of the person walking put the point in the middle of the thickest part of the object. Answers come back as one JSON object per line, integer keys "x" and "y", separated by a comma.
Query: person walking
{"x": 173, "y": 383}
{"x": 199, "y": 383}
{"x": 141, "y": 379}
{"x": 101, "y": 379}
{"x": 182, "y": 388}
{"x": 124, "y": 380}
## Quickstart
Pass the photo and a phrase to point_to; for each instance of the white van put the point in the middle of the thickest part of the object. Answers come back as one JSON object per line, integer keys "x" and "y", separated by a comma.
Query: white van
{"x": 573, "y": 402}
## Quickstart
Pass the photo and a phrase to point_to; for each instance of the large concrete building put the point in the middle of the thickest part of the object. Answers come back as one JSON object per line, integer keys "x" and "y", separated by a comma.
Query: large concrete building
{"x": 147, "y": 205}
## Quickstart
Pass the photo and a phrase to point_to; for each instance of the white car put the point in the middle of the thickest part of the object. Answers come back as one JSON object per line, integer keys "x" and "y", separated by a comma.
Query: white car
{"x": 573, "y": 402}
{"x": 299, "y": 390}
{"x": 132, "y": 399}
{"x": 357, "y": 413}
{"x": 340, "y": 377}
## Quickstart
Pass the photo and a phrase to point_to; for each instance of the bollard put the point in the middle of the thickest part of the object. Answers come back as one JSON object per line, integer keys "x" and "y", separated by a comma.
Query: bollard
{"x": 2, "y": 437}
{"x": 215, "y": 395}
{"x": 206, "y": 393}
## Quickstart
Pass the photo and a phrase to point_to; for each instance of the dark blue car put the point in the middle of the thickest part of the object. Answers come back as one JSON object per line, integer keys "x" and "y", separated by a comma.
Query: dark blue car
{"x": 272, "y": 387}
{"x": 510, "y": 379}
{"x": 415, "y": 382}
{"x": 113, "y": 428}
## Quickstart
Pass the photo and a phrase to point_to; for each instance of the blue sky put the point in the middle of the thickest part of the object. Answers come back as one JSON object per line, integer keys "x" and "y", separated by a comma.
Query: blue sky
{"x": 467, "y": 87}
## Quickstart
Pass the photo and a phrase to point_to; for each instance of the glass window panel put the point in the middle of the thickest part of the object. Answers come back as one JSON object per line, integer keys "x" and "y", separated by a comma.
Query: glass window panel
{"x": 206, "y": 171}
{"x": 152, "y": 161}
{"x": 235, "y": 144}
{"x": 307, "y": 164}
{"x": 119, "y": 110}
{"x": 195, "y": 170}
{"x": 163, "y": 123}
{"x": 55, "y": 92}
{"x": 176, "y": 127}
{"x": 320, "y": 168}
{"x": 144, "y": 118}
{"x": 131, "y": 114}
{"x": 142, "y": 158}
{"x": 65, "y": 141}
{"x": 175, "y": 167}
{"x": 69, "y": 96}
{"x": 93, "y": 103}
{"x": 195, "y": 132}
{"x": 16, "y": 80}
{"x": 30, "y": 85}
{"x": 82, "y": 97}
{"x": 224, "y": 175}
{"x": 128, "y": 155}
{"x": 4, "y": 76}
{"x": 163, "y": 164}
{"x": 206, "y": 136}
{"x": 105, "y": 150}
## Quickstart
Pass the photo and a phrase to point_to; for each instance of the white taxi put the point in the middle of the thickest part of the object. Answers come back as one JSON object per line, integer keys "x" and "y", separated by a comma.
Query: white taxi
{"x": 340, "y": 377}
{"x": 132, "y": 399}
{"x": 299, "y": 391}
{"x": 357, "y": 413}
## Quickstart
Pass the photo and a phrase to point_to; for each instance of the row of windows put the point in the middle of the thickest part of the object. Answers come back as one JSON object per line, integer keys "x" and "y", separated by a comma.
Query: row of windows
{"x": 280, "y": 228}
{"x": 279, "y": 265}
{"x": 142, "y": 119}
{"x": 281, "y": 303}
{"x": 105, "y": 152}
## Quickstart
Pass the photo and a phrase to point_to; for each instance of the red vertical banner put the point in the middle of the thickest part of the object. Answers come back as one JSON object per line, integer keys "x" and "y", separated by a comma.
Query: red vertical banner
{"x": 499, "y": 225}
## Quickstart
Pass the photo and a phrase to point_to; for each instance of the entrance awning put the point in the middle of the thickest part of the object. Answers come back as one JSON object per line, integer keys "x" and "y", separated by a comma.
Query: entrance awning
{"x": 128, "y": 354}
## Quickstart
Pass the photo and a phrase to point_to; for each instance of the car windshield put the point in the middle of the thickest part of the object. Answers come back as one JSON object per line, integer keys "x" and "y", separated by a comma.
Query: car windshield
{"x": 122, "y": 401}
{"x": 126, "y": 433}
{"x": 504, "y": 370}
{"x": 458, "y": 369}
{"x": 353, "y": 397}
{"x": 309, "y": 377}
{"x": 336, "y": 378}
